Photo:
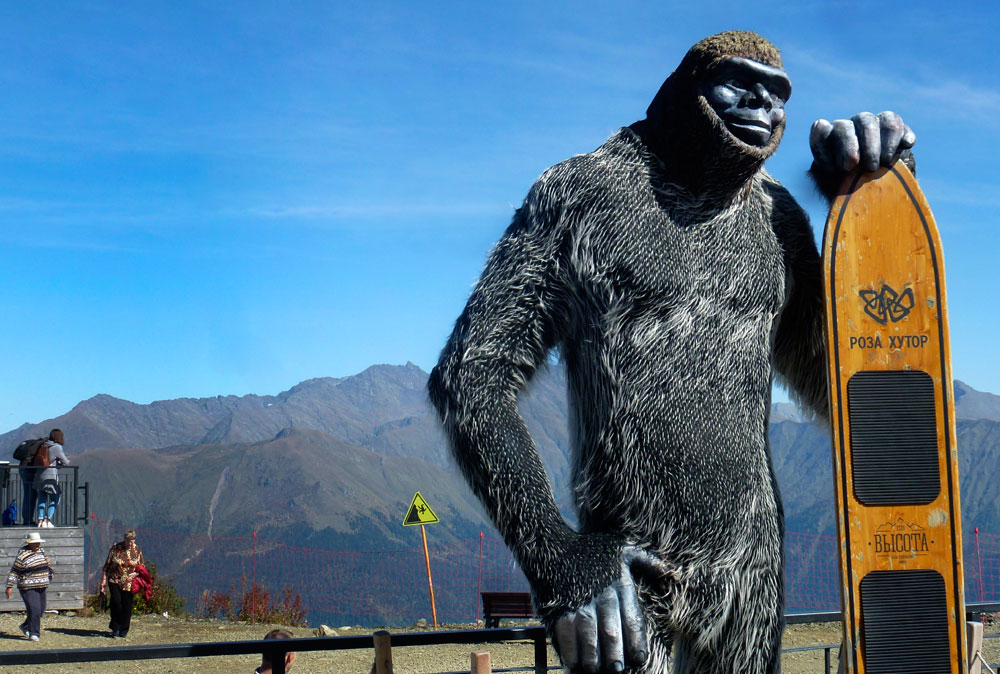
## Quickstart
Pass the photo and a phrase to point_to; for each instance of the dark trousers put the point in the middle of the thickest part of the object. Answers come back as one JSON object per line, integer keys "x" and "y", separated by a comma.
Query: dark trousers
{"x": 120, "y": 604}
{"x": 34, "y": 603}
{"x": 28, "y": 494}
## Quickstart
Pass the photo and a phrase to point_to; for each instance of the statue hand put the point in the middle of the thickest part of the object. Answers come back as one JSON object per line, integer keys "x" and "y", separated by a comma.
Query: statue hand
{"x": 865, "y": 140}
{"x": 609, "y": 633}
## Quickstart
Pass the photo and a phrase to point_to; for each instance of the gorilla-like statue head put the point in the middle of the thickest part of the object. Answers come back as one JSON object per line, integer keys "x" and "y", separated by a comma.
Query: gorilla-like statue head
{"x": 721, "y": 113}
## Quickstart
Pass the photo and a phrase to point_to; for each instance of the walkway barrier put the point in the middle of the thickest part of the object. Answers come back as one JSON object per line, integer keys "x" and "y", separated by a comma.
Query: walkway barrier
{"x": 380, "y": 642}
{"x": 390, "y": 587}
{"x": 534, "y": 634}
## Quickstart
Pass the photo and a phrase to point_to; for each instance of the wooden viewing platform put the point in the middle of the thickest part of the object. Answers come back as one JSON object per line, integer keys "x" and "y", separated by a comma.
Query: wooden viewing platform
{"x": 64, "y": 547}
{"x": 63, "y": 544}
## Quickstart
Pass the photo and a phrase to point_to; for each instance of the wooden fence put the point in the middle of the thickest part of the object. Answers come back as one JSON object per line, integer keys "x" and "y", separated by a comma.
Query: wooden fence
{"x": 64, "y": 547}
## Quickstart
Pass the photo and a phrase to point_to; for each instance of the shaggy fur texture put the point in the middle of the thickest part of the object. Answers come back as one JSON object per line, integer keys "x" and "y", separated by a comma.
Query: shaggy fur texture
{"x": 673, "y": 273}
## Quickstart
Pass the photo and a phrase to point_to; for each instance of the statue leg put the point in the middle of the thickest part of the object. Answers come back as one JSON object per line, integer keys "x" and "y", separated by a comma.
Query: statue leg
{"x": 748, "y": 640}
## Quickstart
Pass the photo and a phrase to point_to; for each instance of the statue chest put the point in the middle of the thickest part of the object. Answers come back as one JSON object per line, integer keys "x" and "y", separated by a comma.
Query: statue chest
{"x": 637, "y": 257}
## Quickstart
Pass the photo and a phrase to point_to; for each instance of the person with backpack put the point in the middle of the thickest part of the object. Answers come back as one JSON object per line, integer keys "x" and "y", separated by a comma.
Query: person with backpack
{"x": 26, "y": 454}
{"x": 47, "y": 460}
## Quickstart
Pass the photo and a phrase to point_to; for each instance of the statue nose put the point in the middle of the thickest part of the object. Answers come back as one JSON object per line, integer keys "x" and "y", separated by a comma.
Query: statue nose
{"x": 760, "y": 95}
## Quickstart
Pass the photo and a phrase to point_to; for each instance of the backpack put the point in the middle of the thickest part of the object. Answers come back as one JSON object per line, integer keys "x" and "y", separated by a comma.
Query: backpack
{"x": 26, "y": 450}
{"x": 9, "y": 517}
{"x": 41, "y": 456}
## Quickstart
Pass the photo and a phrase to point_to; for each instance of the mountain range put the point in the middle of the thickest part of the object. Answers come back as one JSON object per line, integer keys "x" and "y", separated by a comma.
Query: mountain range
{"x": 334, "y": 462}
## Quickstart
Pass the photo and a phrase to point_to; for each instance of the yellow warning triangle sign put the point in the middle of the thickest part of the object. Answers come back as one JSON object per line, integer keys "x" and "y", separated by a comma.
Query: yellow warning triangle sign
{"x": 419, "y": 512}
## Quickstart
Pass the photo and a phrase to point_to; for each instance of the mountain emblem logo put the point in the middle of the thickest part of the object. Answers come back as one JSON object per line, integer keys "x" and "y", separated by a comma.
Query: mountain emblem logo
{"x": 886, "y": 304}
{"x": 899, "y": 525}
{"x": 900, "y": 538}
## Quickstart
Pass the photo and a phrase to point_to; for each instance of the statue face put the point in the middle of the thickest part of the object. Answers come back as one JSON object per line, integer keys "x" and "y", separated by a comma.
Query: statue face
{"x": 749, "y": 98}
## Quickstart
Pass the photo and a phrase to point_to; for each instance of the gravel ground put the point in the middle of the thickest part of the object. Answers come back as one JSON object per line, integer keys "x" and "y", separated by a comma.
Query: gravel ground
{"x": 65, "y": 631}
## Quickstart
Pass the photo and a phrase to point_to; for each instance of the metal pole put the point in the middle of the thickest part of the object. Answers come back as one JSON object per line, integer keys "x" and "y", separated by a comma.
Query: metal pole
{"x": 479, "y": 580}
{"x": 74, "y": 517}
{"x": 541, "y": 655}
{"x": 253, "y": 582}
{"x": 86, "y": 500}
{"x": 430, "y": 584}
{"x": 90, "y": 562}
{"x": 979, "y": 559}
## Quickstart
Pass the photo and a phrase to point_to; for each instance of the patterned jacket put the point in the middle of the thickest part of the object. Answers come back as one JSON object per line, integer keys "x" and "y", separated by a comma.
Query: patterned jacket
{"x": 120, "y": 567}
{"x": 31, "y": 571}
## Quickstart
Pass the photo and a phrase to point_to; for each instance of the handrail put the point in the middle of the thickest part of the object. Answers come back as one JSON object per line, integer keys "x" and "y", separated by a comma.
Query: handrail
{"x": 217, "y": 648}
{"x": 67, "y": 512}
{"x": 84, "y": 518}
{"x": 971, "y": 613}
{"x": 534, "y": 633}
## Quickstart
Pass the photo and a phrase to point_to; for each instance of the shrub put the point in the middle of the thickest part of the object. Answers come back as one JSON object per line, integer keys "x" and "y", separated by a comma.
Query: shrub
{"x": 216, "y": 605}
{"x": 163, "y": 599}
{"x": 92, "y": 602}
{"x": 256, "y": 605}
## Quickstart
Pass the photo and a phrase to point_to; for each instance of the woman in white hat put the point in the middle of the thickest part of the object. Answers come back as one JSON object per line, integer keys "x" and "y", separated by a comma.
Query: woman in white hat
{"x": 32, "y": 573}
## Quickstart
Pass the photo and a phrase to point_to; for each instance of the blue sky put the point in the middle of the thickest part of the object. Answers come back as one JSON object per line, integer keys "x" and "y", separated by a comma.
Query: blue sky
{"x": 207, "y": 198}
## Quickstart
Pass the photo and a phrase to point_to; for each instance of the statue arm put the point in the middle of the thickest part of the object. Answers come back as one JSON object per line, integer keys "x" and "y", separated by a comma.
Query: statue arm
{"x": 864, "y": 142}
{"x": 503, "y": 335}
{"x": 517, "y": 312}
{"x": 799, "y": 348}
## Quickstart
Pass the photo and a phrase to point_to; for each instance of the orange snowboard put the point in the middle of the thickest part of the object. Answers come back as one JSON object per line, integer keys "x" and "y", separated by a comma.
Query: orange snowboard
{"x": 892, "y": 412}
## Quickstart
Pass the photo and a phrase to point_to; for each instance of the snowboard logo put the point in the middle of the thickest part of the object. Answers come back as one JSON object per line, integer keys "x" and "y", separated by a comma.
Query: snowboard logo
{"x": 886, "y": 304}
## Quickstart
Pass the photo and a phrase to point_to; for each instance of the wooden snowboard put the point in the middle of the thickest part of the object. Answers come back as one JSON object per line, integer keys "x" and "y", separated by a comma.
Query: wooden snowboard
{"x": 892, "y": 412}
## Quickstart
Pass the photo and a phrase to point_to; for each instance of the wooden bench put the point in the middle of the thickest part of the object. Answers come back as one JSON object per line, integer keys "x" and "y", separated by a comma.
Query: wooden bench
{"x": 498, "y": 605}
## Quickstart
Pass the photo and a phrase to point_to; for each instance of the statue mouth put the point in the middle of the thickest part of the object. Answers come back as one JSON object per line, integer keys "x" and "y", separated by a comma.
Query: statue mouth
{"x": 751, "y": 121}
{"x": 751, "y": 131}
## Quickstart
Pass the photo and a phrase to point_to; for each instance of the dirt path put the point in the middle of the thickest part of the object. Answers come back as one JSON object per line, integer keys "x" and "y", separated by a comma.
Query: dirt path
{"x": 62, "y": 631}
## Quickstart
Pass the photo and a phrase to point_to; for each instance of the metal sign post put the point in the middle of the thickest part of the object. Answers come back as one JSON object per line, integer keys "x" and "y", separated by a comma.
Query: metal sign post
{"x": 421, "y": 513}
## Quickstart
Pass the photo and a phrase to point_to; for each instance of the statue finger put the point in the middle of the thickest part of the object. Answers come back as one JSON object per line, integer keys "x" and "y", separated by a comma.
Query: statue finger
{"x": 819, "y": 135}
{"x": 909, "y": 138}
{"x": 844, "y": 142}
{"x": 892, "y": 130}
{"x": 633, "y": 622}
{"x": 565, "y": 635}
{"x": 586, "y": 639}
{"x": 609, "y": 627}
{"x": 866, "y": 128}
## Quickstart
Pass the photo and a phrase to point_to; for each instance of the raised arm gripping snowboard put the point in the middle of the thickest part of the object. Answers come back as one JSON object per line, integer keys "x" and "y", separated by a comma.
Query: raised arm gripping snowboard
{"x": 892, "y": 411}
